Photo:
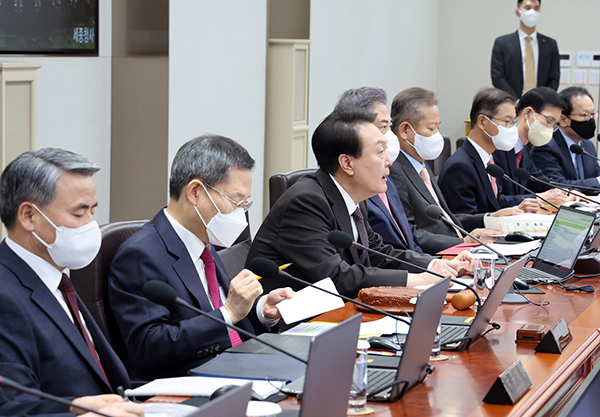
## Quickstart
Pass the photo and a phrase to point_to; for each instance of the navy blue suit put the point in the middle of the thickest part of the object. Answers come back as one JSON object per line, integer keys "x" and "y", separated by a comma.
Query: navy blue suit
{"x": 163, "y": 341}
{"x": 554, "y": 159}
{"x": 382, "y": 222}
{"x": 511, "y": 194}
{"x": 41, "y": 348}
{"x": 465, "y": 183}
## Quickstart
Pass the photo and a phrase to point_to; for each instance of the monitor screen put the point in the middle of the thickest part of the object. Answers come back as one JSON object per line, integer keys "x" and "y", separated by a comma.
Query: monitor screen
{"x": 49, "y": 27}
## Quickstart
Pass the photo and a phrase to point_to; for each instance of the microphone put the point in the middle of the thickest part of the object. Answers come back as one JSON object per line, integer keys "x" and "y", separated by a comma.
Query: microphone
{"x": 434, "y": 212}
{"x": 524, "y": 175}
{"x": 10, "y": 384}
{"x": 578, "y": 150}
{"x": 343, "y": 240}
{"x": 497, "y": 172}
{"x": 160, "y": 292}
{"x": 266, "y": 268}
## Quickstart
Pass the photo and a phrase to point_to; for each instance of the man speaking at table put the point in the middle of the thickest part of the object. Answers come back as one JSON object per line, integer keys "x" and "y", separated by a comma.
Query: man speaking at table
{"x": 210, "y": 186}
{"x": 354, "y": 163}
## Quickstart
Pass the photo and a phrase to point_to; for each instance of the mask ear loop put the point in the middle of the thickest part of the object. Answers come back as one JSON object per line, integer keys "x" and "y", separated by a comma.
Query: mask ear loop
{"x": 211, "y": 200}
{"x": 49, "y": 221}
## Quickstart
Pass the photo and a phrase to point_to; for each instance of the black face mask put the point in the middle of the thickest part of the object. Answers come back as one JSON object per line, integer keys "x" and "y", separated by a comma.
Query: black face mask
{"x": 584, "y": 129}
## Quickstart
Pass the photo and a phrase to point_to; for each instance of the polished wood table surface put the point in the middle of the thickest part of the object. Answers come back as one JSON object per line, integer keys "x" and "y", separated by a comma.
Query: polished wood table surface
{"x": 458, "y": 385}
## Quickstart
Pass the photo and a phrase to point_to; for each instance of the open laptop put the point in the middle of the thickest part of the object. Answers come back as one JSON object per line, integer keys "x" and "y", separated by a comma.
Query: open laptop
{"x": 414, "y": 363}
{"x": 456, "y": 336}
{"x": 231, "y": 404}
{"x": 558, "y": 254}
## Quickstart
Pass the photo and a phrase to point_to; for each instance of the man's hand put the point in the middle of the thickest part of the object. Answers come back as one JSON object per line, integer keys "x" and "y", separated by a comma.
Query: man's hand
{"x": 530, "y": 205}
{"x": 243, "y": 290}
{"x": 274, "y": 298}
{"x": 481, "y": 232}
{"x": 416, "y": 280}
{"x": 508, "y": 211}
{"x": 446, "y": 267}
{"x": 110, "y": 404}
{"x": 557, "y": 196}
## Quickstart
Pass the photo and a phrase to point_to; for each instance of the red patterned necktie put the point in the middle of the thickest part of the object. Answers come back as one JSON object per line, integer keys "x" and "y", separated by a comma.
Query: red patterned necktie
{"x": 519, "y": 156}
{"x": 68, "y": 291}
{"x": 213, "y": 288}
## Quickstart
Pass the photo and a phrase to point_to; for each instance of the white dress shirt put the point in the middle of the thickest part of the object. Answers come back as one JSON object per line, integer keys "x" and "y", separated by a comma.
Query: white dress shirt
{"x": 351, "y": 206}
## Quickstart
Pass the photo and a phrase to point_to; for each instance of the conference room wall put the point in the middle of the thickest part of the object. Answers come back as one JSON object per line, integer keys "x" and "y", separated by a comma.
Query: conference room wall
{"x": 217, "y": 66}
{"x": 386, "y": 43}
{"x": 466, "y": 36}
{"x": 73, "y": 105}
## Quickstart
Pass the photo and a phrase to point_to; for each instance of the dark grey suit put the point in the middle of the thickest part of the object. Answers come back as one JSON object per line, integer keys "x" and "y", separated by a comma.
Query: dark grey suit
{"x": 296, "y": 231}
{"x": 507, "y": 64}
{"x": 431, "y": 236}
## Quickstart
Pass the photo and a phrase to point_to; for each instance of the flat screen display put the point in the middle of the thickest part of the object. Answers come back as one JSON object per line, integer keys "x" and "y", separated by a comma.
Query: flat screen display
{"x": 67, "y": 27}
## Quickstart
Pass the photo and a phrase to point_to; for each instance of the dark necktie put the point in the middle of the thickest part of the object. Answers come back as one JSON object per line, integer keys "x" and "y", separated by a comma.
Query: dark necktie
{"x": 579, "y": 167}
{"x": 362, "y": 232}
{"x": 213, "y": 288}
{"x": 68, "y": 291}
{"x": 519, "y": 156}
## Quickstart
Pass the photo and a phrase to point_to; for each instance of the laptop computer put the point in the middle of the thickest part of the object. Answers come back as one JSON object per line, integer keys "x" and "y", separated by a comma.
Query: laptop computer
{"x": 459, "y": 336}
{"x": 563, "y": 244}
{"x": 414, "y": 363}
{"x": 231, "y": 404}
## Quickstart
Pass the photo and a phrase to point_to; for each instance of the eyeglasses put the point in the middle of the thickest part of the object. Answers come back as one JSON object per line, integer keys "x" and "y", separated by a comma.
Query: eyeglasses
{"x": 244, "y": 204}
{"x": 586, "y": 115}
{"x": 553, "y": 124}
{"x": 505, "y": 123}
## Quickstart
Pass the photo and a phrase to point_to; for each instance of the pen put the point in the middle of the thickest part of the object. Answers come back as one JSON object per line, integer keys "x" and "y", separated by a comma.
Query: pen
{"x": 121, "y": 392}
{"x": 281, "y": 268}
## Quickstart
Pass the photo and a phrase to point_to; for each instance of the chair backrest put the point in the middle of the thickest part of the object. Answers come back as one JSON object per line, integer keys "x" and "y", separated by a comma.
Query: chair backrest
{"x": 460, "y": 142}
{"x": 91, "y": 282}
{"x": 235, "y": 256}
{"x": 436, "y": 164}
{"x": 279, "y": 183}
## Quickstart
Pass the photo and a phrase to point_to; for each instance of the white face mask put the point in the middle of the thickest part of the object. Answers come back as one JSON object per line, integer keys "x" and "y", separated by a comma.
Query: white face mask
{"x": 530, "y": 17}
{"x": 393, "y": 146}
{"x": 224, "y": 229}
{"x": 539, "y": 135}
{"x": 428, "y": 147}
{"x": 73, "y": 248}
{"x": 506, "y": 139}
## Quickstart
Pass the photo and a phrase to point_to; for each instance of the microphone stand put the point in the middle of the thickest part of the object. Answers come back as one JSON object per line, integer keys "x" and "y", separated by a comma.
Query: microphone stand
{"x": 581, "y": 187}
{"x": 525, "y": 175}
{"x": 495, "y": 172}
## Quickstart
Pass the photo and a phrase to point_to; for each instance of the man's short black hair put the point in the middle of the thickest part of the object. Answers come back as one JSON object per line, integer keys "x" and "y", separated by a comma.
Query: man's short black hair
{"x": 519, "y": 2}
{"x": 567, "y": 95}
{"x": 487, "y": 101}
{"x": 538, "y": 98}
{"x": 338, "y": 135}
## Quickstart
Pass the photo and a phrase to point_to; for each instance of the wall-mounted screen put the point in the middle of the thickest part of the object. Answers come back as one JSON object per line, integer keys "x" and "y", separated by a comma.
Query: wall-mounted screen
{"x": 67, "y": 27}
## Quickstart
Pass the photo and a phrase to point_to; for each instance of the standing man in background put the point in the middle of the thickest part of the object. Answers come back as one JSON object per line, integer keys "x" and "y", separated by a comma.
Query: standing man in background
{"x": 525, "y": 59}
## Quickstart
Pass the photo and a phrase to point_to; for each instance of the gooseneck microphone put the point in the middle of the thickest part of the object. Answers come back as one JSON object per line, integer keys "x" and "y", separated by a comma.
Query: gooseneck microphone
{"x": 160, "y": 292}
{"x": 10, "y": 384}
{"x": 434, "y": 212}
{"x": 497, "y": 172}
{"x": 578, "y": 150}
{"x": 524, "y": 175}
{"x": 343, "y": 240}
{"x": 266, "y": 268}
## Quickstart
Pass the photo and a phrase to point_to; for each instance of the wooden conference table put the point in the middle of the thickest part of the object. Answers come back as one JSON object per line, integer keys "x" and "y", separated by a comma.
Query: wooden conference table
{"x": 458, "y": 385}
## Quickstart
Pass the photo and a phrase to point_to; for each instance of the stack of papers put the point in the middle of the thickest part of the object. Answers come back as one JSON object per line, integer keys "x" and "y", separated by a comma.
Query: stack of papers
{"x": 310, "y": 302}
{"x": 309, "y": 329}
{"x": 526, "y": 222}
{"x": 189, "y": 386}
{"x": 386, "y": 325}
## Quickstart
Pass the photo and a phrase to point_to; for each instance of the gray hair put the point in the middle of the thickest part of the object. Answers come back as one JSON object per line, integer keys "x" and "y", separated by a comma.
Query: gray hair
{"x": 361, "y": 98}
{"x": 406, "y": 106}
{"x": 33, "y": 175}
{"x": 207, "y": 158}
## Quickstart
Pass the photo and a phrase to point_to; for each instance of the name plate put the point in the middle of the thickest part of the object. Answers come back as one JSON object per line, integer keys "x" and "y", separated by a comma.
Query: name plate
{"x": 510, "y": 386}
{"x": 556, "y": 339}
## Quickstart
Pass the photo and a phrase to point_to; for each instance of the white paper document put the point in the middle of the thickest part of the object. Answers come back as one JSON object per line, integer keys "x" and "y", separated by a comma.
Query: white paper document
{"x": 526, "y": 222}
{"x": 201, "y": 386}
{"x": 309, "y": 329}
{"x": 310, "y": 302}
{"x": 515, "y": 249}
{"x": 386, "y": 325}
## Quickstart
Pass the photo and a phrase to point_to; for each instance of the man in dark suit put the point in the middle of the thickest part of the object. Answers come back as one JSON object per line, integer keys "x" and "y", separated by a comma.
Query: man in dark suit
{"x": 416, "y": 121}
{"x": 464, "y": 180}
{"x": 525, "y": 59}
{"x": 48, "y": 339}
{"x": 577, "y": 127}
{"x": 386, "y": 214}
{"x": 538, "y": 114}
{"x": 354, "y": 165}
{"x": 210, "y": 185}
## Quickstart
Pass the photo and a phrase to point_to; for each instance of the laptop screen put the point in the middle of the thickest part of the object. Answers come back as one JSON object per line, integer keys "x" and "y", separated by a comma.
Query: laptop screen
{"x": 565, "y": 238}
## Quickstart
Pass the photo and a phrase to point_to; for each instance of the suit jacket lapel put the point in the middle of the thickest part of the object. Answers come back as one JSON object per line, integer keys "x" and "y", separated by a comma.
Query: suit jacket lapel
{"x": 566, "y": 155}
{"x": 45, "y": 300}
{"x": 222, "y": 275}
{"x": 183, "y": 264}
{"x": 483, "y": 175}
{"x": 516, "y": 47}
{"x": 415, "y": 178}
{"x": 379, "y": 203}
{"x": 338, "y": 206}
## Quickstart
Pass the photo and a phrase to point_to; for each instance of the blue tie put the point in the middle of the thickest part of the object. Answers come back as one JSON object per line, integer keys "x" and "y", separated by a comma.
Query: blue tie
{"x": 579, "y": 167}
